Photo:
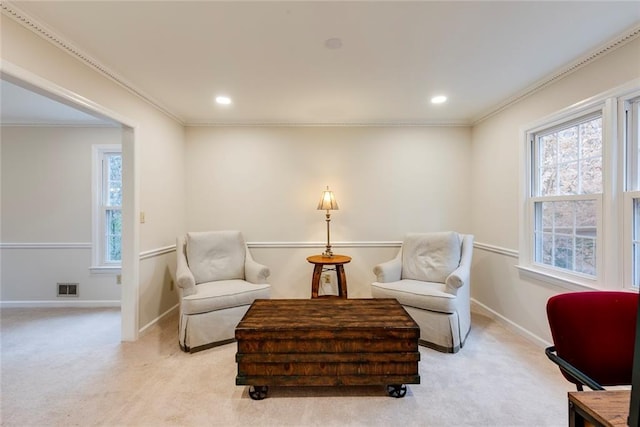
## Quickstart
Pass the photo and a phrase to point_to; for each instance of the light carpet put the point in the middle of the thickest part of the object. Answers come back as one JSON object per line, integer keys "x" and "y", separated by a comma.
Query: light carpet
{"x": 67, "y": 367}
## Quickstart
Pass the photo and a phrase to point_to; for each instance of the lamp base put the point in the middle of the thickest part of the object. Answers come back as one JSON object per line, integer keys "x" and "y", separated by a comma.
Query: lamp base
{"x": 328, "y": 253}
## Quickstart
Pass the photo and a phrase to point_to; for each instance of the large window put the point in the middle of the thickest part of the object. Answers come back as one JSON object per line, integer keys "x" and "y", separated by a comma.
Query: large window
{"x": 107, "y": 207}
{"x": 566, "y": 198}
{"x": 581, "y": 207}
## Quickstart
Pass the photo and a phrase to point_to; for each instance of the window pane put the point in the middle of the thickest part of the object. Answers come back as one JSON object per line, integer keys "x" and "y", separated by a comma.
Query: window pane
{"x": 547, "y": 249}
{"x": 591, "y": 176}
{"x": 568, "y": 179}
{"x": 591, "y": 138}
{"x": 563, "y": 252}
{"x": 585, "y": 256}
{"x": 563, "y": 217}
{"x": 547, "y": 217}
{"x": 548, "y": 179}
{"x": 568, "y": 144}
{"x": 570, "y": 160}
{"x": 548, "y": 151}
{"x": 568, "y": 236}
{"x": 113, "y": 235}
{"x": 586, "y": 220}
{"x": 114, "y": 182}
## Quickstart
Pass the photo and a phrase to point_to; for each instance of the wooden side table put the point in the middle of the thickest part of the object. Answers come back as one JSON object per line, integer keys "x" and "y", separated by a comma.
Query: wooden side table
{"x": 608, "y": 408}
{"x": 323, "y": 263}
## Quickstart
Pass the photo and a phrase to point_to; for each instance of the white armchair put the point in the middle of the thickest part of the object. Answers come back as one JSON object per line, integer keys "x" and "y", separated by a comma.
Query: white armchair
{"x": 217, "y": 281}
{"x": 430, "y": 277}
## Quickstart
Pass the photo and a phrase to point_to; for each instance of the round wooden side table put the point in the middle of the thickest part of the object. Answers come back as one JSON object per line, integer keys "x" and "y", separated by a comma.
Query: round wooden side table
{"x": 324, "y": 263}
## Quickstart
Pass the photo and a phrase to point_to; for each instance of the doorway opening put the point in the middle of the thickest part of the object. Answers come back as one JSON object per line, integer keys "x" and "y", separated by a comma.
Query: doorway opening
{"x": 28, "y": 100}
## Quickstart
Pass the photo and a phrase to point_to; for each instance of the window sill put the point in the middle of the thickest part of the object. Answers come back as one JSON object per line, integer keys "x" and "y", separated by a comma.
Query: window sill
{"x": 107, "y": 270}
{"x": 555, "y": 280}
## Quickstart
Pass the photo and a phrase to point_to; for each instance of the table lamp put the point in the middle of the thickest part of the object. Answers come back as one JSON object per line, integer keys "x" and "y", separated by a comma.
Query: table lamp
{"x": 328, "y": 203}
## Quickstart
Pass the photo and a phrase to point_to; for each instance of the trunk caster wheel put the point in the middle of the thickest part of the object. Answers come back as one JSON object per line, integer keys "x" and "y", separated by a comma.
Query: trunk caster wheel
{"x": 397, "y": 390}
{"x": 258, "y": 392}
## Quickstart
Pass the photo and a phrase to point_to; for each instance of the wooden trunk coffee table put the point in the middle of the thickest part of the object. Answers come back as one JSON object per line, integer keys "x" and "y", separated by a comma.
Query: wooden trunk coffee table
{"x": 323, "y": 342}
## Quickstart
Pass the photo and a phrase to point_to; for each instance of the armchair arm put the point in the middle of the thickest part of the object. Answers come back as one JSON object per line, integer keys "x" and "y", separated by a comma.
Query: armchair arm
{"x": 389, "y": 271}
{"x": 255, "y": 272}
{"x": 184, "y": 276}
{"x": 461, "y": 275}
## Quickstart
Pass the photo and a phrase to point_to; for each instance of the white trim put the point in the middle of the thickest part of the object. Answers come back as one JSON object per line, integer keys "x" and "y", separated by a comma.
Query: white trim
{"x": 151, "y": 253}
{"x": 555, "y": 279}
{"x": 130, "y": 289}
{"x": 352, "y": 244}
{"x": 106, "y": 270}
{"x": 480, "y": 308}
{"x": 59, "y": 304}
{"x": 149, "y": 325}
{"x": 35, "y": 83}
{"x": 425, "y": 123}
{"x": 496, "y": 249}
{"x": 54, "y": 245}
{"x": 157, "y": 252}
{"x": 60, "y": 125}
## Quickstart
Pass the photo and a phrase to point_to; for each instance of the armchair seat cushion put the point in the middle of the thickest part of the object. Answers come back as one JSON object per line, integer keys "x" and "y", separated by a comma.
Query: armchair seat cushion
{"x": 218, "y": 295}
{"x": 430, "y": 296}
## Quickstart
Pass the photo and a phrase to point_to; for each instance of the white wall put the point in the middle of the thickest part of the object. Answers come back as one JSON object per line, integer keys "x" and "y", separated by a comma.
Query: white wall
{"x": 46, "y": 200}
{"x": 158, "y": 158}
{"x": 496, "y": 190}
{"x": 267, "y": 181}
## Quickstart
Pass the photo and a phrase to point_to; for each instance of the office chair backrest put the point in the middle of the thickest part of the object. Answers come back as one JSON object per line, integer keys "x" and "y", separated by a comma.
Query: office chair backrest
{"x": 595, "y": 332}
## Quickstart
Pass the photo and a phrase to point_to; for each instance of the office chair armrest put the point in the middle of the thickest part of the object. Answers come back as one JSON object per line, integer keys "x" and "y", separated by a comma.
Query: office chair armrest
{"x": 571, "y": 370}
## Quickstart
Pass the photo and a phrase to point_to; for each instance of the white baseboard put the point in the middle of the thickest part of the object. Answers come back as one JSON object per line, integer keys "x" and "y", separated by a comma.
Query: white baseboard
{"x": 157, "y": 319}
{"x": 528, "y": 335}
{"x": 60, "y": 304}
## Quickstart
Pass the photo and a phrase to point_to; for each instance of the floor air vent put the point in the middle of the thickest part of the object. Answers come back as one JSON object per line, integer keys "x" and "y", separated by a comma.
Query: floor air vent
{"x": 68, "y": 289}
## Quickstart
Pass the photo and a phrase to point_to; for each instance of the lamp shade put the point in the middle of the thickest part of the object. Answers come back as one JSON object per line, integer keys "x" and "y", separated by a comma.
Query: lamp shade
{"x": 328, "y": 201}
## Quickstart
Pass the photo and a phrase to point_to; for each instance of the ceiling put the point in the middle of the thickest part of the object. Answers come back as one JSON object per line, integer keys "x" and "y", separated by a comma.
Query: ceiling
{"x": 332, "y": 62}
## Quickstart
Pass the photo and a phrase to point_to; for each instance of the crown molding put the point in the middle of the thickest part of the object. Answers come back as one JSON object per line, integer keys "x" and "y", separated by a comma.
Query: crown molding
{"x": 435, "y": 123}
{"x": 561, "y": 73}
{"x": 12, "y": 11}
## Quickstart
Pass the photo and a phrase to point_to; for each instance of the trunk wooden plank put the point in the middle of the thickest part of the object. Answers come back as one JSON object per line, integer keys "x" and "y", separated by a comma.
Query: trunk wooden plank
{"x": 327, "y": 342}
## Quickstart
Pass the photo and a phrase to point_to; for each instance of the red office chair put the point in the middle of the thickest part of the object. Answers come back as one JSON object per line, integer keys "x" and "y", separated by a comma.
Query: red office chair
{"x": 593, "y": 336}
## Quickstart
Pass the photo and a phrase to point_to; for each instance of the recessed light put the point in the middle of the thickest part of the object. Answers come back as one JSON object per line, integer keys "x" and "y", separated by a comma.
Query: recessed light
{"x": 438, "y": 99}
{"x": 223, "y": 100}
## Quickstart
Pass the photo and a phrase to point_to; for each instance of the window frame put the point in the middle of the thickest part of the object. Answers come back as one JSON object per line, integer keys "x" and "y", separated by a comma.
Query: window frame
{"x": 99, "y": 209}
{"x": 615, "y": 253}
{"x": 629, "y": 125}
{"x": 621, "y": 157}
{"x": 527, "y": 262}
